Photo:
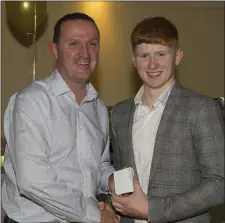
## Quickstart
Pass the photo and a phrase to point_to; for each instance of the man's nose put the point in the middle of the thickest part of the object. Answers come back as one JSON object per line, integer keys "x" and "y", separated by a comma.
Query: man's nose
{"x": 152, "y": 63}
{"x": 84, "y": 51}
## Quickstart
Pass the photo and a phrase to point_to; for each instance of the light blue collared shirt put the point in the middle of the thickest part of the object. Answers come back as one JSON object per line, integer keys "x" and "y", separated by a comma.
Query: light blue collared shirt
{"x": 57, "y": 154}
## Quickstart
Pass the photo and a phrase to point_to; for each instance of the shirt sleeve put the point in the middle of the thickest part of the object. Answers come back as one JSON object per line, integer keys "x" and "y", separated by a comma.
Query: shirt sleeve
{"x": 106, "y": 167}
{"x": 27, "y": 134}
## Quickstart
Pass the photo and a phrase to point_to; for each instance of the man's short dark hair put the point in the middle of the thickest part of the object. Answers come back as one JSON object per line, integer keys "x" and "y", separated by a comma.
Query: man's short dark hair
{"x": 68, "y": 17}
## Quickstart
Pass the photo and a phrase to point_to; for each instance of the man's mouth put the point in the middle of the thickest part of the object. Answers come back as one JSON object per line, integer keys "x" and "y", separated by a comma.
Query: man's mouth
{"x": 154, "y": 74}
{"x": 84, "y": 64}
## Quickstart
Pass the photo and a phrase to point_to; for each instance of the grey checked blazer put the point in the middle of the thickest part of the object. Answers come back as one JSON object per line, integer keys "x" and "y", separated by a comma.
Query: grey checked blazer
{"x": 187, "y": 171}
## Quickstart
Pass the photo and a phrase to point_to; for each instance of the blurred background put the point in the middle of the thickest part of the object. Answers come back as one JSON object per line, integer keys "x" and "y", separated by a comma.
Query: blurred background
{"x": 201, "y": 33}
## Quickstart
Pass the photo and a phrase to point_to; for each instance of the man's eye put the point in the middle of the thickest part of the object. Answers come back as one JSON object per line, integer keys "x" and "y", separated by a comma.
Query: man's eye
{"x": 95, "y": 44}
{"x": 162, "y": 54}
{"x": 143, "y": 55}
{"x": 74, "y": 43}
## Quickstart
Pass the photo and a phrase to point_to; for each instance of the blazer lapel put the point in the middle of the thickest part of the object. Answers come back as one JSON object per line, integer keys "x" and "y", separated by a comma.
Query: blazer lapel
{"x": 163, "y": 127}
{"x": 129, "y": 150}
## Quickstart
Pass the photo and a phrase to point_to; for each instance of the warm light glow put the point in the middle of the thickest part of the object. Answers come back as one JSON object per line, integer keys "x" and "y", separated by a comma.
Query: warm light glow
{"x": 94, "y": 9}
{"x": 26, "y": 5}
{"x": 95, "y": 5}
{"x": 2, "y": 161}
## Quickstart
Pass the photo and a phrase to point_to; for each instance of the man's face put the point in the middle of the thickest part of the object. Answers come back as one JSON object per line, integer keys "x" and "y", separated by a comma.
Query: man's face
{"x": 77, "y": 52}
{"x": 156, "y": 63}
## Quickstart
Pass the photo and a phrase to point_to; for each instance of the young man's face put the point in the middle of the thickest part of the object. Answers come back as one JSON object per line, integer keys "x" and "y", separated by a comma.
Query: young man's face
{"x": 77, "y": 52}
{"x": 156, "y": 63}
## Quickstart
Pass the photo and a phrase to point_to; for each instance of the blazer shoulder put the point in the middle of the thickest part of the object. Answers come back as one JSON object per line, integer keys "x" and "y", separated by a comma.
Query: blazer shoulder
{"x": 193, "y": 96}
{"x": 122, "y": 106}
{"x": 195, "y": 102}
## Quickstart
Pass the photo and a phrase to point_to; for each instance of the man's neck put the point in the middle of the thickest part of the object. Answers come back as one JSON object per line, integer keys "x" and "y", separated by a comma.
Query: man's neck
{"x": 151, "y": 94}
{"x": 79, "y": 91}
{"x": 78, "y": 88}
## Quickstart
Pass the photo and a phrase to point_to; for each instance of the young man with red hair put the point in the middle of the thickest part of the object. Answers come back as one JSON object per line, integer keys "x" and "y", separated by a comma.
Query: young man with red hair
{"x": 171, "y": 136}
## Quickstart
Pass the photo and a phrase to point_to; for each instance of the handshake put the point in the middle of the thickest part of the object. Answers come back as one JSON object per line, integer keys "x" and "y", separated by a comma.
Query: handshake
{"x": 122, "y": 182}
{"x": 128, "y": 198}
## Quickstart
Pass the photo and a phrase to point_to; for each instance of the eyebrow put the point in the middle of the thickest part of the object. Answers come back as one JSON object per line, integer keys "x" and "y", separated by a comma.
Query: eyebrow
{"x": 80, "y": 39}
{"x": 158, "y": 51}
{"x": 95, "y": 39}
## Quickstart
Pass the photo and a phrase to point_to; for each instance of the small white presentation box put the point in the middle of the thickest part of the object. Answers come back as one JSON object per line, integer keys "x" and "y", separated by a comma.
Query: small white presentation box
{"x": 123, "y": 180}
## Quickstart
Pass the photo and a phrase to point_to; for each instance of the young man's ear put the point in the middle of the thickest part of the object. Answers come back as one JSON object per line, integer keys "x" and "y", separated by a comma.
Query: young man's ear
{"x": 179, "y": 56}
{"x": 134, "y": 60}
{"x": 53, "y": 50}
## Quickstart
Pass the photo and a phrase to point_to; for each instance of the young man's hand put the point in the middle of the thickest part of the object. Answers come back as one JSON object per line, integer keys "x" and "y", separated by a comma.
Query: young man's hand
{"x": 133, "y": 205}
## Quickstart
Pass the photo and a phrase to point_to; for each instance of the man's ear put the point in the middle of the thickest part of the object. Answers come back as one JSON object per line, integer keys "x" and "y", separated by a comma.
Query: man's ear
{"x": 179, "y": 56}
{"x": 134, "y": 60}
{"x": 53, "y": 50}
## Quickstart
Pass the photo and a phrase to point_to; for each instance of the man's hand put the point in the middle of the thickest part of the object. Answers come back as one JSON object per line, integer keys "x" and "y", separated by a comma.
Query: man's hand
{"x": 108, "y": 215}
{"x": 134, "y": 205}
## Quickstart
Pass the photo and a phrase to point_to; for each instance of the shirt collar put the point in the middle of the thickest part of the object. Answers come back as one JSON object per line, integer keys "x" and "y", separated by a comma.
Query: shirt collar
{"x": 60, "y": 87}
{"x": 161, "y": 99}
{"x": 57, "y": 84}
{"x": 91, "y": 92}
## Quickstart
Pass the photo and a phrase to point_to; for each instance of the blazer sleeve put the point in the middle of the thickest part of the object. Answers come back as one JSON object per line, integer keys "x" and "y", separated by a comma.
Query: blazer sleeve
{"x": 116, "y": 159}
{"x": 208, "y": 142}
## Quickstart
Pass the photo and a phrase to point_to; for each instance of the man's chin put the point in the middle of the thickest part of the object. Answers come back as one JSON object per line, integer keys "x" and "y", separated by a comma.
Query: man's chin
{"x": 84, "y": 78}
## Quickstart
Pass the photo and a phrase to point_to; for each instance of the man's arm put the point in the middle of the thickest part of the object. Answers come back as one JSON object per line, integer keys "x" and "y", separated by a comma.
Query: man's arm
{"x": 103, "y": 190}
{"x": 106, "y": 170}
{"x": 208, "y": 141}
{"x": 27, "y": 134}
